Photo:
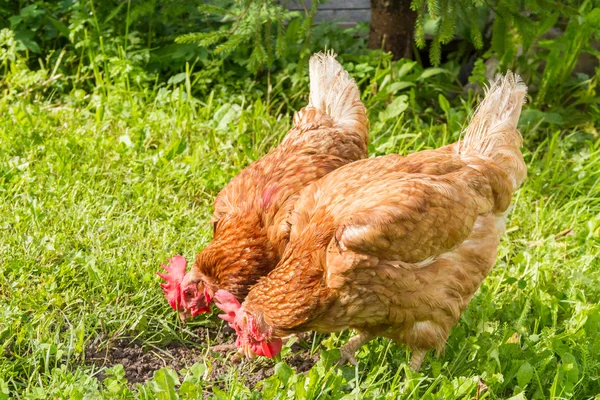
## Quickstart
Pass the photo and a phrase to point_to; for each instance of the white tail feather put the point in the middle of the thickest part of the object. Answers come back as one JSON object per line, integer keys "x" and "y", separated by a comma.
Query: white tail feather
{"x": 492, "y": 131}
{"x": 334, "y": 92}
{"x": 498, "y": 113}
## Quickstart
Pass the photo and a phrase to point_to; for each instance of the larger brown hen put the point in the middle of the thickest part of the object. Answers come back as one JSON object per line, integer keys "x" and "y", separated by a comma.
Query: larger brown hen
{"x": 251, "y": 213}
{"x": 393, "y": 246}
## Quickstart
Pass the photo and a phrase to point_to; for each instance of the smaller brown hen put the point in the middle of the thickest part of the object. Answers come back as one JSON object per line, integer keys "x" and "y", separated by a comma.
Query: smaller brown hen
{"x": 251, "y": 216}
{"x": 393, "y": 246}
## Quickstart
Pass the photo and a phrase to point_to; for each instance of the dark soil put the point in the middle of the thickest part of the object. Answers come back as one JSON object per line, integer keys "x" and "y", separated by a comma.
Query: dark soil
{"x": 140, "y": 360}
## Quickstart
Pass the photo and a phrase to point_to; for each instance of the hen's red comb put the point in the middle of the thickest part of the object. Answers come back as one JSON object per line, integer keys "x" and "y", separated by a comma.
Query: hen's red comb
{"x": 175, "y": 273}
{"x": 228, "y": 303}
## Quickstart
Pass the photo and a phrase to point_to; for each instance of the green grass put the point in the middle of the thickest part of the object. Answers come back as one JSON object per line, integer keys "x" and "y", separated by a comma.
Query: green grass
{"x": 97, "y": 190}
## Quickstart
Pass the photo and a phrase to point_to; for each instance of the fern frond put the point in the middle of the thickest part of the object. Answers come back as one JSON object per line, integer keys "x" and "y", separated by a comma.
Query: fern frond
{"x": 205, "y": 39}
{"x": 434, "y": 8}
{"x": 446, "y": 26}
{"x": 257, "y": 58}
{"x": 499, "y": 32}
{"x": 435, "y": 53}
{"x": 474, "y": 31}
{"x": 231, "y": 44}
{"x": 419, "y": 30}
{"x": 267, "y": 42}
{"x": 524, "y": 314}
{"x": 526, "y": 29}
{"x": 280, "y": 44}
{"x": 417, "y": 5}
{"x": 305, "y": 27}
{"x": 210, "y": 9}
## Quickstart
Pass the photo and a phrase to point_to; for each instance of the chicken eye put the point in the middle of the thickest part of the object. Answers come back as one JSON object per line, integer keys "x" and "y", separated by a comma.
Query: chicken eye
{"x": 188, "y": 293}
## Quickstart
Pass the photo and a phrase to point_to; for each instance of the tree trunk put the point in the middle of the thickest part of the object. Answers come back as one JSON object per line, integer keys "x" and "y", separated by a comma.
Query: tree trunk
{"x": 392, "y": 23}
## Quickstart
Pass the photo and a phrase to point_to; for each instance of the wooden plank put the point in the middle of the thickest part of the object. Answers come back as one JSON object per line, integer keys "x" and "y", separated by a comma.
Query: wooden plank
{"x": 343, "y": 15}
{"x": 346, "y": 25}
{"x": 332, "y": 5}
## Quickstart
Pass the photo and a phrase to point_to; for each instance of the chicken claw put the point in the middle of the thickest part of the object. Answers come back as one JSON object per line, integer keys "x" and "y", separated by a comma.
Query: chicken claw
{"x": 349, "y": 349}
{"x": 347, "y": 356}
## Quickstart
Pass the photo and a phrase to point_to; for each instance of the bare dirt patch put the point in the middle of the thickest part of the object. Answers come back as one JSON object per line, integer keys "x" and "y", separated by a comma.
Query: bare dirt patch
{"x": 141, "y": 360}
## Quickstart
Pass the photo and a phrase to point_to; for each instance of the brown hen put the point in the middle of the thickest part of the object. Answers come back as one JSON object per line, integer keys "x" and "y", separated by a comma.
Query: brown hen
{"x": 251, "y": 227}
{"x": 393, "y": 246}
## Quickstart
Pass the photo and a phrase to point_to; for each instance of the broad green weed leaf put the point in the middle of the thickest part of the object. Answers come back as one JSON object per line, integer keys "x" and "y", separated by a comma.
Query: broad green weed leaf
{"x": 593, "y": 17}
{"x": 176, "y": 149}
{"x": 524, "y": 374}
{"x": 444, "y": 104}
{"x": 226, "y": 115}
{"x": 406, "y": 68}
{"x": 570, "y": 366}
{"x": 270, "y": 388}
{"x": 62, "y": 28}
{"x": 196, "y": 372}
{"x": 27, "y": 39}
{"x": 219, "y": 394}
{"x": 300, "y": 388}
{"x": 15, "y": 20}
{"x": 164, "y": 383}
{"x": 397, "y": 86}
{"x": 115, "y": 381}
{"x": 177, "y": 78}
{"x": 31, "y": 11}
{"x": 283, "y": 372}
{"x": 4, "y": 392}
{"x": 395, "y": 108}
{"x": 328, "y": 357}
{"x": 190, "y": 390}
{"x": 429, "y": 72}
{"x": 191, "y": 387}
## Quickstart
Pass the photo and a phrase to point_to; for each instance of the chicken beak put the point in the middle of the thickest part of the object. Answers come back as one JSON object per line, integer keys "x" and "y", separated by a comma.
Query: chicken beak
{"x": 184, "y": 316}
{"x": 247, "y": 352}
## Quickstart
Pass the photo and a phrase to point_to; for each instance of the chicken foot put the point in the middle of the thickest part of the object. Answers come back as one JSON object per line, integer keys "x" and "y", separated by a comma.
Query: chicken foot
{"x": 349, "y": 349}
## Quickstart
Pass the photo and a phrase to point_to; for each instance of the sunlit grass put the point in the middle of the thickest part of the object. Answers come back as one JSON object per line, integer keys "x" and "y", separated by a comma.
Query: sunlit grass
{"x": 96, "y": 193}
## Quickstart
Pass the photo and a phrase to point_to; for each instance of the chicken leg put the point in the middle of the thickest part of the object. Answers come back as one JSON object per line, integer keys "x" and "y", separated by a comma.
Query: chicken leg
{"x": 349, "y": 349}
{"x": 417, "y": 359}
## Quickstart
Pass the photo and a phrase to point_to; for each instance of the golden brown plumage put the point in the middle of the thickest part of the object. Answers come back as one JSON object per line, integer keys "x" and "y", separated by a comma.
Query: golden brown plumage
{"x": 251, "y": 214}
{"x": 396, "y": 246}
